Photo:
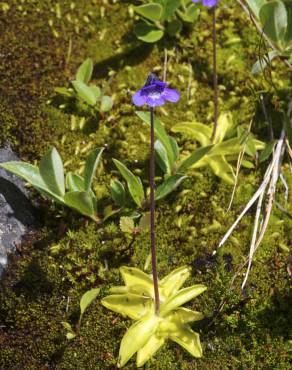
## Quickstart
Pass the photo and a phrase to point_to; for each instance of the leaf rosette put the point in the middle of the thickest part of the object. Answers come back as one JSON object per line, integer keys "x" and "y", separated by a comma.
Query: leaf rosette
{"x": 150, "y": 331}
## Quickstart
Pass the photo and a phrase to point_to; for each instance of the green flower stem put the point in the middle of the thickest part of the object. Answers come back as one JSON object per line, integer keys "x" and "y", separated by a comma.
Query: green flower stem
{"x": 152, "y": 214}
{"x": 215, "y": 75}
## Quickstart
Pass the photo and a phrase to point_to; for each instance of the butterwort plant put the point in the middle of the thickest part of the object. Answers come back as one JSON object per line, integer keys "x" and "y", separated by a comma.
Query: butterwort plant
{"x": 155, "y": 304}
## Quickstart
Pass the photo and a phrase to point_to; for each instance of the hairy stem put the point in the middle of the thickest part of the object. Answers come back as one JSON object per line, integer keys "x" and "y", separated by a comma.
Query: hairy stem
{"x": 152, "y": 215}
{"x": 215, "y": 75}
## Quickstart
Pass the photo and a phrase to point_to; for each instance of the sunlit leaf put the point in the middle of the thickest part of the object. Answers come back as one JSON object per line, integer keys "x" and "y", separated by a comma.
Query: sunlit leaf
{"x": 136, "y": 337}
{"x": 148, "y": 33}
{"x": 127, "y": 224}
{"x": 149, "y": 349}
{"x": 52, "y": 171}
{"x": 174, "y": 281}
{"x": 84, "y": 72}
{"x": 134, "y": 183}
{"x": 193, "y": 158}
{"x": 196, "y": 130}
{"x": 153, "y": 11}
{"x": 85, "y": 92}
{"x": 81, "y": 201}
{"x": 106, "y": 103}
{"x": 181, "y": 297}
{"x": 118, "y": 193}
{"x": 188, "y": 339}
{"x": 87, "y": 298}
{"x": 168, "y": 186}
{"x": 128, "y": 304}
{"x": 74, "y": 182}
{"x": 91, "y": 164}
{"x": 144, "y": 222}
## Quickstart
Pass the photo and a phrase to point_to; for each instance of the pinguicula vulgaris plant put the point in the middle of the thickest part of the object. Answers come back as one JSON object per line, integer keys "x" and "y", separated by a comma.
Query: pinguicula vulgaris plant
{"x": 163, "y": 17}
{"x": 154, "y": 304}
{"x": 81, "y": 96}
{"x": 48, "y": 178}
{"x": 228, "y": 142}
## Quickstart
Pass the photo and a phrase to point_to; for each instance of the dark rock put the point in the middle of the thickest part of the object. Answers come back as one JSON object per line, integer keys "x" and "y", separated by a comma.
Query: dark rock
{"x": 17, "y": 215}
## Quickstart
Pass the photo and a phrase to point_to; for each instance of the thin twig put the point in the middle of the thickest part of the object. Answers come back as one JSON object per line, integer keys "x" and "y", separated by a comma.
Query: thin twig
{"x": 249, "y": 204}
{"x": 189, "y": 81}
{"x": 165, "y": 65}
{"x": 238, "y": 166}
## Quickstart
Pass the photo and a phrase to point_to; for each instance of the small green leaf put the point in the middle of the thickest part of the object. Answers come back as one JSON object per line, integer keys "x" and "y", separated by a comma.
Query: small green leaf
{"x": 134, "y": 183}
{"x": 106, "y": 103}
{"x": 90, "y": 167}
{"x": 263, "y": 62}
{"x": 267, "y": 151}
{"x": 161, "y": 157}
{"x": 169, "y": 8}
{"x": 85, "y": 92}
{"x": 52, "y": 172}
{"x": 169, "y": 185}
{"x": 174, "y": 27}
{"x": 74, "y": 182}
{"x": 96, "y": 91}
{"x": 162, "y": 136}
{"x": 127, "y": 225}
{"x": 136, "y": 337}
{"x": 63, "y": 91}
{"x": 144, "y": 222}
{"x": 191, "y": 14}
{"x": 147, "y": 33}
{"x": 194, "y": 158}
{"x": 255, "y": 6}
{"x": 152, "y": 12}
{"x": 118, "y": 193}
{"x": 87, "y": 298}
{"x": 84, "y": 72}
{"x": 80, "y": 201}
{"x": 273, "y": 16}
{"x": 67, "y": 326}
{"x": 70, "y": 336}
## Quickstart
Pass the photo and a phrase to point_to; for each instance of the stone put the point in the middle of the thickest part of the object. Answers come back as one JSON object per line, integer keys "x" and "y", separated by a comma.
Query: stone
{"x": 17, "y": 214}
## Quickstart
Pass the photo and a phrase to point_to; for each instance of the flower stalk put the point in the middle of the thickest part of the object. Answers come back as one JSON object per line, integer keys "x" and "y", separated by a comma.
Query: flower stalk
{"x": 152, "y": 214}
{"x": 215, "y": 75}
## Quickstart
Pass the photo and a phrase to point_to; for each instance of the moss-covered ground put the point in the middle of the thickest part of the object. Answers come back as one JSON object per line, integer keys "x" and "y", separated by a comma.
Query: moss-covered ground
{"x": 67, "y": 254}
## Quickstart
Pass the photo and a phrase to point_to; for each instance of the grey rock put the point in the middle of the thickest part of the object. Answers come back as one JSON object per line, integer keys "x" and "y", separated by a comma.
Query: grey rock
{"x": 17, "y": 215}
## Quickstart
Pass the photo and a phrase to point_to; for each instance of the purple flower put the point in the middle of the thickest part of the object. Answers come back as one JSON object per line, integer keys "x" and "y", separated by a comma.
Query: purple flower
{"x": 209, "y": 3}
{"x": 154, "y": 93}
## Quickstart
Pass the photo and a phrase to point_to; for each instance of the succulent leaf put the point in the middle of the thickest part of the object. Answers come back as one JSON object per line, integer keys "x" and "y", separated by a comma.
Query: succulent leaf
{"x": 136, "y": 337}
{"x": 131, "y": 305}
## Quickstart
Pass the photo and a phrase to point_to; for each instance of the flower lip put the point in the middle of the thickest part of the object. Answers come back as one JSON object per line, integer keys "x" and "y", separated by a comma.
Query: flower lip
{"x": 154, "y": 93}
